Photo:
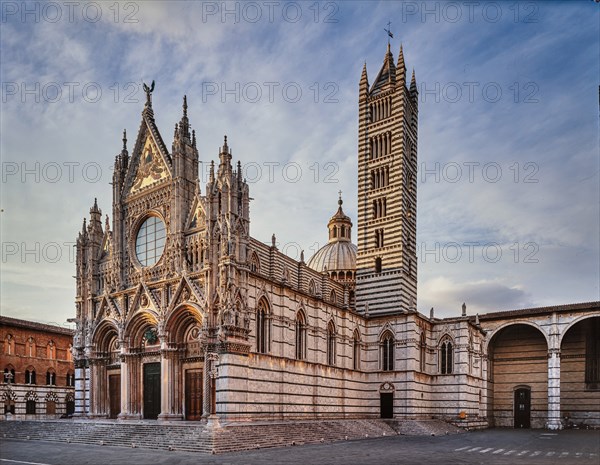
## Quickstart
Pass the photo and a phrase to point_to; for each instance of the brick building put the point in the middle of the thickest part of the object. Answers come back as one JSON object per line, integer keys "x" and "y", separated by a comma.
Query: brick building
{"x": 38, "y": 376}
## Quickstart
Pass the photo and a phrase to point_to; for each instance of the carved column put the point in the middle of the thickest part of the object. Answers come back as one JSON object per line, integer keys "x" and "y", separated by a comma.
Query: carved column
{"x": 125, "y": 382}
{"x": 129, "y": 384}
{"x": 206, "y": 397}
{"x": 170, "y": 385}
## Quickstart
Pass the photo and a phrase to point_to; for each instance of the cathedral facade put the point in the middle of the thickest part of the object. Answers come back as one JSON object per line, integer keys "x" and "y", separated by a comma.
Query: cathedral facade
{"x": 182, "y": 315}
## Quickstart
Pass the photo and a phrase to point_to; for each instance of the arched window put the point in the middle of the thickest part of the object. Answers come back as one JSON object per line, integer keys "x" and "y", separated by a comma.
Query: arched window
{"x": 51, "y": 350}
{"x": 51, "y": 377}
{"x": 331, "y": 343}
{"x": 311, "y": 287}
{"x": 9, "y": 345}
{"x": 9, "y": 374}
{"x": 70, "y": 379}
{"x": 262, "y": 327}
{"x": 387, "y": 352}
{"x": 423, "y": 352}
{"x": 333, "y": 297}
{"x": 254, "y": 263}
{"x": 31, "y": 347}
{"x": 30, "y": 375}
{"x": 446, "y": 356}
{"x": 378, "y": 265}
{"x": 300, "y": 336}
{"x": 356, "y": 351}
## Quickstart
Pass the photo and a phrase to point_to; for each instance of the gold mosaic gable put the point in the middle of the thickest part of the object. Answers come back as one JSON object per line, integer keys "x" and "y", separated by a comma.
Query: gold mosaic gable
{"x": 151, "y": 168}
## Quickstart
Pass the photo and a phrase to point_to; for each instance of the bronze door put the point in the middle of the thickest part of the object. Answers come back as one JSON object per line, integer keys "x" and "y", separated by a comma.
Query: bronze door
{"x": 522, "y": 408}
{"x": 193, "y": 394}
{"x": 114, "y": 395}
{"x": 151, "y": 391}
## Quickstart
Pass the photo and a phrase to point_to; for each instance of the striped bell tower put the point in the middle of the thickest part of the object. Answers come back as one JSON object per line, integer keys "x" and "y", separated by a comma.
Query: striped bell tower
{"x": 386, "y": 275}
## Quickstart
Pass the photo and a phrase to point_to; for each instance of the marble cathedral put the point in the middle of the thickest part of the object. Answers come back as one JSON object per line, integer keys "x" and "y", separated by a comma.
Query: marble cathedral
{"x": 183, "y": 315}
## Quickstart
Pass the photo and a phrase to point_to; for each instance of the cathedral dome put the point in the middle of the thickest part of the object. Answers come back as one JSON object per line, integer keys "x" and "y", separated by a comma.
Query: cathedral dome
{"x": 335, "y": 256}
{"x": 338, "y": 256}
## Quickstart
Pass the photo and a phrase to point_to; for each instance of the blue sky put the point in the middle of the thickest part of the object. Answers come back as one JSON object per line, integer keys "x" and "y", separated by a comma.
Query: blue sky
{"x": 508, "y": 209}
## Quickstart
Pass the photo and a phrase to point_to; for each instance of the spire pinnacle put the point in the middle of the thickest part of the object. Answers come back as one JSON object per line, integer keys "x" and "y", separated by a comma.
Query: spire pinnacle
{"x": 364, "y": 80}
{"x": 413, "y": 83}
{"x": 401, "y": 58}
{"x": 184, "y": 124}
{"x": 124, "y": 140}
{"x": 340, "y": 201}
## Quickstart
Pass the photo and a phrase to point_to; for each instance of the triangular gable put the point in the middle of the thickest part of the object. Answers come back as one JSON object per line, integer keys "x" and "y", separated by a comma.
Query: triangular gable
{"x": 144, "y": 299}
{"x": 150, "y": 162}
{"x": 197, "y": 216}
{"x": 187, "y": 291}
{"x": 150, "y": 169}
{"x": 106, "y": 248}
{"x": 387, "y": 75}
{"x": 108, "y": 309}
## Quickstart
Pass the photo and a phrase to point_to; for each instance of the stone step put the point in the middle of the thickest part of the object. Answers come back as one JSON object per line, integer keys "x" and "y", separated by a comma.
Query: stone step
{"x": 227, "y": 438}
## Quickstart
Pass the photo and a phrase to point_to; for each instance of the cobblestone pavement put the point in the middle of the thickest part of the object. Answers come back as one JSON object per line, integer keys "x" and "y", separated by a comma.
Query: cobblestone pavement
{"x": 481, "y": 447}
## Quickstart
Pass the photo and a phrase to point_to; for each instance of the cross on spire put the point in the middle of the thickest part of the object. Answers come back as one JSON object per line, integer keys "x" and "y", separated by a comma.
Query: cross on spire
{"x": 389, "y": 31}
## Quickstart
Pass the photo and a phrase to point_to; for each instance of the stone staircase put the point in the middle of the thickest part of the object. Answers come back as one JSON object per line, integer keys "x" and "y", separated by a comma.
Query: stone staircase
{"x": 228, "y": 437}
{"x": 143, "y": 434}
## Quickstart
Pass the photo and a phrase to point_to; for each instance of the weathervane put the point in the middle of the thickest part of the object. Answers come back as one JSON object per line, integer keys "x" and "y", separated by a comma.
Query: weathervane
{"x": 389, "y": 32}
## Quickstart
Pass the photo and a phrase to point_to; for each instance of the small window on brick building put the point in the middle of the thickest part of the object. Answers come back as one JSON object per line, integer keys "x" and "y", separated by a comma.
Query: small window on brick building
{"x": 51, "y": 350}
{"x": 9, "y": 345}
{"x": 9, "y": 374}
{"x": 30, "y": 376}
{"x": 31, "y": 352}
{"x": 70, "y": 379}
{"x": 51, "y": 377}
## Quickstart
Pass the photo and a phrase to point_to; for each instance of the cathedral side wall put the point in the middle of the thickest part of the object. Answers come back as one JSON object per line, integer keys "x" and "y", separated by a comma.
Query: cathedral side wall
{"x": 268, "y": 387}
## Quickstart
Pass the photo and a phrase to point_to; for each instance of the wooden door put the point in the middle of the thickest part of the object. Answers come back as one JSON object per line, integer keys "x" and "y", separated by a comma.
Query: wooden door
{"x": 151, "y": 391}
{"x": 114, "y": 395}
{"x": 50, "y": 407}
{"x": 522, "y": 408}
{"x": 193, "y": 394}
